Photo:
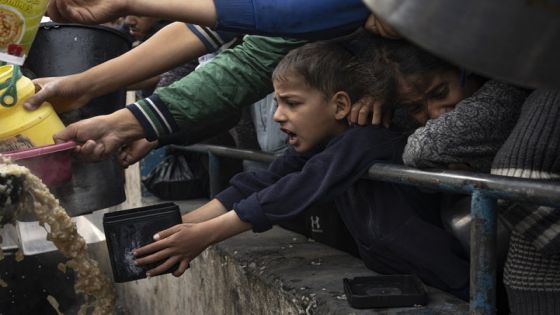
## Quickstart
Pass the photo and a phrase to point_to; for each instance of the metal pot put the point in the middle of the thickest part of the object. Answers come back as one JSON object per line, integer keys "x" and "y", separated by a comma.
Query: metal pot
{"x": 457, "y": 219}
{"x": 512, "y": 40}
{"x": 63, "y": 49}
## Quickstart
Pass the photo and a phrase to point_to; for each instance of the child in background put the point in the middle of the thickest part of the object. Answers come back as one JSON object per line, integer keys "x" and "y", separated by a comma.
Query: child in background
{"x": 315, "y": 86}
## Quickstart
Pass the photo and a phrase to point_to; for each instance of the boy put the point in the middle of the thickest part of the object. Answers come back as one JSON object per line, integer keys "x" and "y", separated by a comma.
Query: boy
{"x": 315, "y": 86}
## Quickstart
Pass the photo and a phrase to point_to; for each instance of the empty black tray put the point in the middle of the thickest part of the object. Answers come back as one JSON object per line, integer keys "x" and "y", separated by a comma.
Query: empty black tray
{"x": 385, "y": 291}
{"x": 130, "y": 229}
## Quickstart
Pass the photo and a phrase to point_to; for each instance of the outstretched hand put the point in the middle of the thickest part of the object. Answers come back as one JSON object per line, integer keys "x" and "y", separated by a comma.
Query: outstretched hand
{"x": 183, "y": 242}
{"x": 64, "y": 93}
{"x": 135, "y": 151}
{"x": 86, "y": 11}
{"x": 178, "y": 244}
{"x": 367, "y": 107}
{"x": 99, "y": 137}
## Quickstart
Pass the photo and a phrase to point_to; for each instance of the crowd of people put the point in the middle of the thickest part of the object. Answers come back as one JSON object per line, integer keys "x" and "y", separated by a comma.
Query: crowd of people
{"x": 343, "y": 91}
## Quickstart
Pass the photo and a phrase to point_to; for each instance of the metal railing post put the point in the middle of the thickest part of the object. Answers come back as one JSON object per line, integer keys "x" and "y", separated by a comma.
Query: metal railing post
{"x": 214, "y": 173}
{"x": 483, "y": 254}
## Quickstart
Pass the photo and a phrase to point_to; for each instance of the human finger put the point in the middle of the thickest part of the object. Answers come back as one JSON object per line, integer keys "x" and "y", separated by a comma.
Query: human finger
{"x": 88, "y": 147}
{"x": 40, "y": 96}
{"x": 150, "y": 248}
{"x": 154, "y": 257}
{"x": 377, "y": 113}
{"x": 363, "y": 114}
{"x": 99, "y": 151}
{"x": 166, "y": 265}
{"x": 67, "y": 134}
{"x": 371, "y": 24}
{"x": 386, "y": 31}
{"x": 355, "y": 113}
{"x": 52, "y": 11}
{"x": 122, "y": 157}
{"x": 166, "y": 233}
{"x": 387, "y": 118}
{"x": 183, "y": 266}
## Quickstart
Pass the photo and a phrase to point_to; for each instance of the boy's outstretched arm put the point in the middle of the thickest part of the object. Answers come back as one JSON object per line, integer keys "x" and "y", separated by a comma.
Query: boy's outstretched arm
{"x": 210, "y": 210}
{"x": 183, "y": 242}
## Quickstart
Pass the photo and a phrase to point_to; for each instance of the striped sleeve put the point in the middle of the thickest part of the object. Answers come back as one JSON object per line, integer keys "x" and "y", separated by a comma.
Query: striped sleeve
{"x": 211, "y": 39}
{"x": 155, "y": 118}
{"x": 539, "y": 225}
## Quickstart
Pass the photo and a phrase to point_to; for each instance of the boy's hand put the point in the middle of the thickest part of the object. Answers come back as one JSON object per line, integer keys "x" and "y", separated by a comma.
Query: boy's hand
{"x": 178, "y": 244}
{"x": 183, "y": 242}
{"x": 362, "y": 109}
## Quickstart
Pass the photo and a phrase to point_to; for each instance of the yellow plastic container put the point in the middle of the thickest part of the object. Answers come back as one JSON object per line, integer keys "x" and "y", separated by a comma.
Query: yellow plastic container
{"x": 17, "y": 124}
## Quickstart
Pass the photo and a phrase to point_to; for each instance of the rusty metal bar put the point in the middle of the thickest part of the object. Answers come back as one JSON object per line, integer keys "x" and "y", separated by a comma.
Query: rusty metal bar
{"x": 483, "y": 254}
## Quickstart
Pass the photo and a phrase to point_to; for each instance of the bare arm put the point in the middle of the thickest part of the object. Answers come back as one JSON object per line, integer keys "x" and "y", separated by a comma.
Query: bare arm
{"x": 210, "y": 210}
{"x": 201, "y": 12}
{"x": 183, "y": 242}
{"x": 173, "y": 45}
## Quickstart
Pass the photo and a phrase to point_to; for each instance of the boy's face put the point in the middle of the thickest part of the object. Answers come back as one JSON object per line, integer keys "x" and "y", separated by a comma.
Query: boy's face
{"x": 139, "y": 26}
{"x": 441, "y": 96}
{"x": 305, "y": 115}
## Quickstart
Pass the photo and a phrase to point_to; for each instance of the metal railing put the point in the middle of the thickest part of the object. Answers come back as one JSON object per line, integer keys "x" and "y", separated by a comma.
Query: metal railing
{"x": 485, "y": 190}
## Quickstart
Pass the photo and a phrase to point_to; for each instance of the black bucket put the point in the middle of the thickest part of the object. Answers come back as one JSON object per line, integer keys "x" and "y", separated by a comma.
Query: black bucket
{"x": 63, "y": 49}
{"x": 130, "y": 229}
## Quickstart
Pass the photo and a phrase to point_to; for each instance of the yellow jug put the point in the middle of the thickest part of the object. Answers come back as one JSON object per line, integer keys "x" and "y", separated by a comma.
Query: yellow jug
{"x": 18, "y": 126}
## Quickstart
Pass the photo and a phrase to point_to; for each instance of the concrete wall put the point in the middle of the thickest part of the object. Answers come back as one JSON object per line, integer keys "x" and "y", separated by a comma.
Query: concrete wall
{"x": 277, "y": 272}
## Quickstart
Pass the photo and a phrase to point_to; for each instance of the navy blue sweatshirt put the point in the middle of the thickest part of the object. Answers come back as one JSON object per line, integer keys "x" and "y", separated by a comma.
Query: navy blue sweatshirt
{"x": 396, "y": 227}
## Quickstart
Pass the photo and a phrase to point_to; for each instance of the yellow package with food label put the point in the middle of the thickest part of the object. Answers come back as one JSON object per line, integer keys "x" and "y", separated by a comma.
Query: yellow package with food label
{"x": 19, "y": 22}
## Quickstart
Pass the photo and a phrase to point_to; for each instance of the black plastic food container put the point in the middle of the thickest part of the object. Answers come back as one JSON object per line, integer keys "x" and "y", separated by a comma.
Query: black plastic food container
{"x": 385, "y": 291}
{"x": 130, "y": 229}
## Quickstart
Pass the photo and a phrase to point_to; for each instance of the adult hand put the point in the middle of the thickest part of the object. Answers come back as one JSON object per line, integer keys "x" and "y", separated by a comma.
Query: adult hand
{"x": 133, "y": 152}
{"x": 178, "y": 244}
{"x": 86, "y": 11}
{"x": 101, "y": 136}
{"x": 64, "y": 93}
{"x": 376, "y": 26}
{"x": 366, "y": 106}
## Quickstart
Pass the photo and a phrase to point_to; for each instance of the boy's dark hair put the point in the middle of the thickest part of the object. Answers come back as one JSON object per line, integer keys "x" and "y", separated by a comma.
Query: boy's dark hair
{"x": 327, "y": 66}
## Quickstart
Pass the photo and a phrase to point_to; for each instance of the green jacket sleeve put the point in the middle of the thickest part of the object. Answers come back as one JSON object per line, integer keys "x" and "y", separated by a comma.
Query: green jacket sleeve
{"x": 208, "y": 100}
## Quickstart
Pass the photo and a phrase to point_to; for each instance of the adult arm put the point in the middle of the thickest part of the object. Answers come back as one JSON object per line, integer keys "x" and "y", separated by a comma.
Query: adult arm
{"x": 471, "y": 134}
{"x": 214, "y": 94}
{"x": 210, "y": 96}
{"x": 308, "y": 19}
{"x": 173, "y": 45}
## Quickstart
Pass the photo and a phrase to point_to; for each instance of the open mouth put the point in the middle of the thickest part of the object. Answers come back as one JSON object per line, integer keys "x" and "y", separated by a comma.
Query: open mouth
{"x": 292, "y": 137}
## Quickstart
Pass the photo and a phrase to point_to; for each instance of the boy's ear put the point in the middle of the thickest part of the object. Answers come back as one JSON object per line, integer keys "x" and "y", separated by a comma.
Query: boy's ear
{"x": 343, "y": 104}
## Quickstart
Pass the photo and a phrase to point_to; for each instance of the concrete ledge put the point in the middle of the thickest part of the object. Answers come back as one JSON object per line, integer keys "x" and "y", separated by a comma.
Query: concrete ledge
{"x": 277, "y": 272}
